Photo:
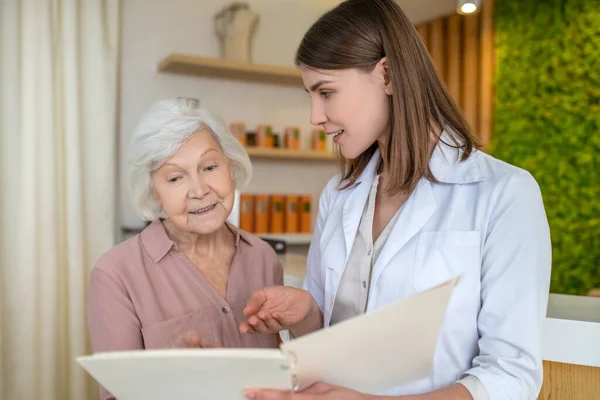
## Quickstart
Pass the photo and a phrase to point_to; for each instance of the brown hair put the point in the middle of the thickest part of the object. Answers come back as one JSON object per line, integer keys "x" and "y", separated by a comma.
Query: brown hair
{"x": 358, "y": 34}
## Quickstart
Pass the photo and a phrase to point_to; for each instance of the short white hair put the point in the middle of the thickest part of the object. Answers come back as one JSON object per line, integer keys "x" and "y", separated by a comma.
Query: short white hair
{"x": 158, "y": 136}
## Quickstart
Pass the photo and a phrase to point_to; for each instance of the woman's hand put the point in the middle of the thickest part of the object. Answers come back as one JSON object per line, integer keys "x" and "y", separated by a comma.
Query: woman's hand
{"x": 317, "y": 391}
{"x": 275, "y": 308}
{"x": 190, "y": 340}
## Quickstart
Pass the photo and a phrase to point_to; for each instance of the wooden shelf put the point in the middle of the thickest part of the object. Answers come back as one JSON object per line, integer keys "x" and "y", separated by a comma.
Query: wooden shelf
{"x": 287, "y": 154}
{"x": 220, "y": 68}
{"x": 289, "y": 238}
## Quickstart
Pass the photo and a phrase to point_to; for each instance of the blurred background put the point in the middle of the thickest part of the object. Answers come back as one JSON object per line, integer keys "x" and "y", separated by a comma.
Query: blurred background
{"x": 77, "y": 76}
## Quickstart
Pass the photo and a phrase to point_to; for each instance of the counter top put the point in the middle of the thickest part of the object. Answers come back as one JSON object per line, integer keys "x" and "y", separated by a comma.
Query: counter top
{"x": 572, "y": 330}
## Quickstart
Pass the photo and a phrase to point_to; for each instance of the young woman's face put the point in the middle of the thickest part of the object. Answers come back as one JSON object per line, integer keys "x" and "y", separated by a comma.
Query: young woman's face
{"x": 353, "y": 106}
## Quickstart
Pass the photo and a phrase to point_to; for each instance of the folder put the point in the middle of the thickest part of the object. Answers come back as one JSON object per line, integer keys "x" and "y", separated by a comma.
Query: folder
{"x": 276, "y": 213}
{"x": 292, "y": 216}
{"x": 371, "y": 353}
{"x": 247, "y": 212}
{"x": 305, "y": 214}
{"x": 261, "y": 214}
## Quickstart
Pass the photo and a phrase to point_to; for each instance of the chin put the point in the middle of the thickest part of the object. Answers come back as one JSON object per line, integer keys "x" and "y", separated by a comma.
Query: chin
{"x": 207, "y": 227}
{"x": 350, "y": 154}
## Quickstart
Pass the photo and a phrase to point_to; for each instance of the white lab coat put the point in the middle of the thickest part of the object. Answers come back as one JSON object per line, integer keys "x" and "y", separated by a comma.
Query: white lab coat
{"x": 484, "y": 219}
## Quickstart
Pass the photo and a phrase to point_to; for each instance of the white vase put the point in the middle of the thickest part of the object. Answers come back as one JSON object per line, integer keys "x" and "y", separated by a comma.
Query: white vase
{"x": 235, "y": 26}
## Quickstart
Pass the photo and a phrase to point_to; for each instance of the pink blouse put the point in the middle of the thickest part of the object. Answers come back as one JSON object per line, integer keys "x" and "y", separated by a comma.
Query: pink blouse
{"x": 144, "y": 294}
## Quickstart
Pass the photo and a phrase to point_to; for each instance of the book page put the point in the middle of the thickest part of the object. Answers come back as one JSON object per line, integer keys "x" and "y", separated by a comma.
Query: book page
{"x": 385, "y": 348}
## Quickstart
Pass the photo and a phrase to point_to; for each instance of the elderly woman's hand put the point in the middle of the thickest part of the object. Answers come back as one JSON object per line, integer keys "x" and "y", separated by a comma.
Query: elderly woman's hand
{"x": 275, "y": 308}
{"x": 191, "y": 340}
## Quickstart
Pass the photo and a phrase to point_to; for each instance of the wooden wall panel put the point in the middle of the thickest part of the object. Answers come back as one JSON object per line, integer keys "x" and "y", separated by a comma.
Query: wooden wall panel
{"x": 470, "y": 71}
{"x": 423, "y": 30}
{"x": 437, "y": 48}
{"x": 570, "y": 382}
{"x": 486, "y": 84}
{"x": 462, "y": 49}
{"x": 454, "y": 55}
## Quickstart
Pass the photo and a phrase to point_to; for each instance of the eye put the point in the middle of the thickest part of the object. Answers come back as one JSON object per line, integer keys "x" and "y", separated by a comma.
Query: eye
{"x": 210, "y": 168}
{"x": 325, "y": 93}
{"x": 174, "y": 179}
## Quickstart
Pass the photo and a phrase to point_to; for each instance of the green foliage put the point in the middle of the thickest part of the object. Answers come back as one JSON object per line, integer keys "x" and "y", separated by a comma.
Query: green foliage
{"x": 547, "y": 121}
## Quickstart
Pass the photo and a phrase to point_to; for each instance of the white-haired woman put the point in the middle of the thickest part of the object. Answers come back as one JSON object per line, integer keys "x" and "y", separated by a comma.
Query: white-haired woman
{"x": 189, "y": 270}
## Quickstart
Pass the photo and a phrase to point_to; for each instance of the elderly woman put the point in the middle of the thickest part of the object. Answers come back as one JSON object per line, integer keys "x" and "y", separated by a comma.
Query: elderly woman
{"x": 189, "y": 270}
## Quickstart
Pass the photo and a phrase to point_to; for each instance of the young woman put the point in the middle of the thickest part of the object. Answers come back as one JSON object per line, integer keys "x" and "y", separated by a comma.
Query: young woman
{"x": 415, "y": 204}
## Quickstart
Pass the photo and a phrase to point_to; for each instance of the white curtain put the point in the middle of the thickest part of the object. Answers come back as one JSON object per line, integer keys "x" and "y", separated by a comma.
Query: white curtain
{"x": 58, "y": 110}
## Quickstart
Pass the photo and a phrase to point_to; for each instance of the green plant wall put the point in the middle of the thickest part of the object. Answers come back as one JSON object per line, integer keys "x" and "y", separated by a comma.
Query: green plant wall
{"x": 547, "y": 120}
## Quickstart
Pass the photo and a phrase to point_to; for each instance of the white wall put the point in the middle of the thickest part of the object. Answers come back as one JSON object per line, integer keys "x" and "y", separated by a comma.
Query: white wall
{"x": 154, "y": 28}
{"x": 427, "y": 10}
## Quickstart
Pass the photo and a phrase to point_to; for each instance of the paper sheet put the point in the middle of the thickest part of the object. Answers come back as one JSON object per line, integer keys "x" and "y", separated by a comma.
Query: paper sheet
{"x": 389, "y": 347}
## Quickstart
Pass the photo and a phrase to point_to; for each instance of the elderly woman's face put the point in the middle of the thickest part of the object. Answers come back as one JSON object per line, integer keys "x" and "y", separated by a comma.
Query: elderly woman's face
{"x": 194, "y": 186}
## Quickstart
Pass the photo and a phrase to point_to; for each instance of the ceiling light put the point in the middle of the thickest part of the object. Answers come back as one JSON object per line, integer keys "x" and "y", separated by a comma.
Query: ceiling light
{"x": 468, "y": 6}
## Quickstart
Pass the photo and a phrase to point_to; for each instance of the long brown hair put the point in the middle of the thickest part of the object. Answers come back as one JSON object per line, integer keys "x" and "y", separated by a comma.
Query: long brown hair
{"x": 358, "y": 34}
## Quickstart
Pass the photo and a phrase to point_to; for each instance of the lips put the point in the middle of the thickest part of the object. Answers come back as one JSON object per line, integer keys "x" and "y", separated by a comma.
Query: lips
{"x": 336, "y": 133}
{"x": 204, "y": 210}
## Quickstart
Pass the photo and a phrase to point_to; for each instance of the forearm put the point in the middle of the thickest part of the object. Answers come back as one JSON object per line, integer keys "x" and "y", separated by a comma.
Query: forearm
{"x": 454, "y": 392}
{"x": 312, "y": 322}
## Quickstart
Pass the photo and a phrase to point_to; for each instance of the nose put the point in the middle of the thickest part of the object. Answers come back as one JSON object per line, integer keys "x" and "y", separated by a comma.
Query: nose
{"x": 317, "y": 113}
{"x": 198, "y": 188}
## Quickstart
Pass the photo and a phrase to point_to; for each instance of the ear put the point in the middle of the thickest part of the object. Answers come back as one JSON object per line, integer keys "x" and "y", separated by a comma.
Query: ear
{"x": 382, "y": 71}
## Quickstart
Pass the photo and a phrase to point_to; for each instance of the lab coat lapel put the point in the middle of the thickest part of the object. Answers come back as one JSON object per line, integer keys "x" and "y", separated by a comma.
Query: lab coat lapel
{"x": 355, "y": 203}
{"x": 417, "y": 210}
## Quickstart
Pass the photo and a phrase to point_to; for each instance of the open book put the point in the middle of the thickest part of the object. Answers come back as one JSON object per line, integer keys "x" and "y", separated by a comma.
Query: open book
{"x": 389, "y": 347}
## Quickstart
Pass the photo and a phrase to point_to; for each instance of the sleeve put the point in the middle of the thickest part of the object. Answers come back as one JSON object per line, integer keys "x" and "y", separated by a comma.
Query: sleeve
{"x": 515, "y": 280}
{"x": 475, "y": 387}
{"x": 112, "y": 319}
{"x": 314, "y": 280}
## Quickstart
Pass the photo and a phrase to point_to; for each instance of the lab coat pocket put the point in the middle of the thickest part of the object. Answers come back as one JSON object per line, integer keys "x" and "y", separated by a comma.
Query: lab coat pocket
{"x": 442, "y": 255}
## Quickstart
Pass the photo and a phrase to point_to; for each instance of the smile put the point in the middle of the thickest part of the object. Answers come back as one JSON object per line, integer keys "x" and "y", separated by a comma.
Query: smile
{"x": 336, "y": 133}
{"x": 204, "y": 210}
